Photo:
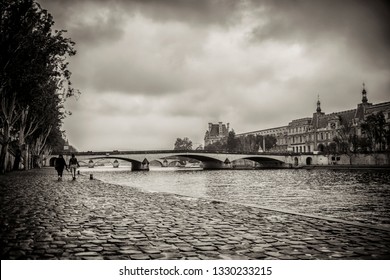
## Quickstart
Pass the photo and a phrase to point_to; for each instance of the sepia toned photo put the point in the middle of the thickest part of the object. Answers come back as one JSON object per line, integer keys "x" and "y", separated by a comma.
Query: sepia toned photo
{"x": 195, "y": 130}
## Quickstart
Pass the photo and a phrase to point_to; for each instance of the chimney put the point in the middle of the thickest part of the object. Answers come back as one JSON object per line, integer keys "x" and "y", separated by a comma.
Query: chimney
{"x": 227, "y": 127}
{"x": 220, "y": 128}
{"x": 210, "y": 125}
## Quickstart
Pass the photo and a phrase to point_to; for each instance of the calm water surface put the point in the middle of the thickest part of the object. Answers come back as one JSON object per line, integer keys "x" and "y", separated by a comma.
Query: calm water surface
{"x": 353, "y": 195}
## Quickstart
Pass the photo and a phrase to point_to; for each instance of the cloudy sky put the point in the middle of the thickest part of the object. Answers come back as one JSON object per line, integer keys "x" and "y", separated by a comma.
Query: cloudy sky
{"x": 151, "y": 71}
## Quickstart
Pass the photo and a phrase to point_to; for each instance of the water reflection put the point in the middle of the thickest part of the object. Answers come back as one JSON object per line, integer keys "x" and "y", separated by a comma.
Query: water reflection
{"x": 353, "y": 195}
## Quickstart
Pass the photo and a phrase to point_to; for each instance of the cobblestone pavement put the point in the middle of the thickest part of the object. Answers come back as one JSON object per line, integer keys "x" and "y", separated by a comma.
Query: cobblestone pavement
{"x": 88, "y": 219}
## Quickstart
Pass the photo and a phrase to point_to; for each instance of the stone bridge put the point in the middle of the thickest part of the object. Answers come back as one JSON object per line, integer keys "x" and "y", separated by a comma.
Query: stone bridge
{"x": 140, "y": 160}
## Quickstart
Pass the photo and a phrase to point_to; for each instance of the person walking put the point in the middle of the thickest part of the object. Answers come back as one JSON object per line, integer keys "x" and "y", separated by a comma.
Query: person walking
{"x": 73, "y": 164}
{"x": 60, "y": 164}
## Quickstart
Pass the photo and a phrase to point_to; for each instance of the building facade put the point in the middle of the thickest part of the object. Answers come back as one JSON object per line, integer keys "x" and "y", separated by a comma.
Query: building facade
{"x": 215, "y": 133}
{"x": 312, "y": 134}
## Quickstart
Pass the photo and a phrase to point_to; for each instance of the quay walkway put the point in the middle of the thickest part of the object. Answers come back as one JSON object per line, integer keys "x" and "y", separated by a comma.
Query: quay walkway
{"x": 41, "y": 218}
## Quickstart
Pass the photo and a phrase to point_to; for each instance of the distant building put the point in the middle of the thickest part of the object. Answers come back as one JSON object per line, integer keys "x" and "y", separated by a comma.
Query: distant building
{"x": 69, "y": 148}
{"x": 215, "y": 133}
{"x": 279, "y": 133}
{"x": 314, "y": 133}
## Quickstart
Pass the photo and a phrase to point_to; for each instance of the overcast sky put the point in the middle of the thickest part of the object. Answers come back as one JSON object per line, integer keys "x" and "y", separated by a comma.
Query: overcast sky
{"x": 151, "y": 71}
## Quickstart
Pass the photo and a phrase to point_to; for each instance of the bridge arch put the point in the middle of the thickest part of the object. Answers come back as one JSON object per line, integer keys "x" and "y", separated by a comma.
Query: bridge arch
{"x": 174, "y": 163}
{"x": 156, "y": 161}
{"x": 135, "y": 164}
{"x": 265, "y": 161}
{"x": 103, "y": 161}
{"x": 209, "y": 162}
{"x": 52, "y": 161}
{"x": 199, "y": 157}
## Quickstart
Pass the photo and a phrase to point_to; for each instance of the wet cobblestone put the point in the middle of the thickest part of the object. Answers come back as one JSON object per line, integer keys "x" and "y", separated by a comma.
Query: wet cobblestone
{"x": 41, "y": 218}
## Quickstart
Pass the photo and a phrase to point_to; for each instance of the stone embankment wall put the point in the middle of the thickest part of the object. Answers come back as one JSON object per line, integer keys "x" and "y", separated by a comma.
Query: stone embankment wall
{"x": 361, "y": 159}
{"x": 374, "y": 159}
{"x": 297, "y": 161}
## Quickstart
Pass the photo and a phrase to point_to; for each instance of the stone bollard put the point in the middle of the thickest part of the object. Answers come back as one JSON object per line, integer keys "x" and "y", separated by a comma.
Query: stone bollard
{"x": 78, "y": 172}
{"x": 90, "y": 176}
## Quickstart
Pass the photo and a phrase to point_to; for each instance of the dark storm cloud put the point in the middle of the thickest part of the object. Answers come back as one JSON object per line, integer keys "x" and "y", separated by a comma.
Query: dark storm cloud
{"x": 92, "y": 23}
{"x": 167, "y": 68}
{"x": 191, "y": 11}
{"x": 87, "y": 22}
{"x": 202, "y": 12}
{"x": 362, "y": 25}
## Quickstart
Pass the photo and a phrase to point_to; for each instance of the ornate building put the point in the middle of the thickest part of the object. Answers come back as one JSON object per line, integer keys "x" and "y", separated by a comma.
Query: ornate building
{"x": 216, "y": 132}
{"x": 312, "y": 134}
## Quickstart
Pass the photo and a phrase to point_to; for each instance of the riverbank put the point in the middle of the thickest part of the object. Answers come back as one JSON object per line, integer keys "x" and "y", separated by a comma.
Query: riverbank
{"x": 348, "y": 167}
{"x": 42, "y": 218}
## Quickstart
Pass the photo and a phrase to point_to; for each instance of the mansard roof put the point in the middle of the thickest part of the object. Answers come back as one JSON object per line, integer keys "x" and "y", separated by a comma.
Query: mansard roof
{"x": 279, "y": 129}
{"x": 343, "y": 116}
{"x": 378, "y": 107}
{"x": 214, "y": 131}
{"x": 301, "y": 121}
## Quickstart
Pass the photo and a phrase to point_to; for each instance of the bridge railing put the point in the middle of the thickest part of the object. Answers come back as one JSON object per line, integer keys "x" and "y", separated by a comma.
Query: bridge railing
{"x": 115, "y": 152}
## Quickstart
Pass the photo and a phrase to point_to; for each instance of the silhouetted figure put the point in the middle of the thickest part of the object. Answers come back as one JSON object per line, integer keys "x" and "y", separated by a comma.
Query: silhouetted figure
{"x": 73, "y": 164}
{"x": 59, "y": 166}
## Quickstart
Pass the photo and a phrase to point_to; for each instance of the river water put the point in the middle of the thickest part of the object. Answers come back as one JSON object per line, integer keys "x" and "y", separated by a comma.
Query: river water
{"x": 352, "y": 195}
